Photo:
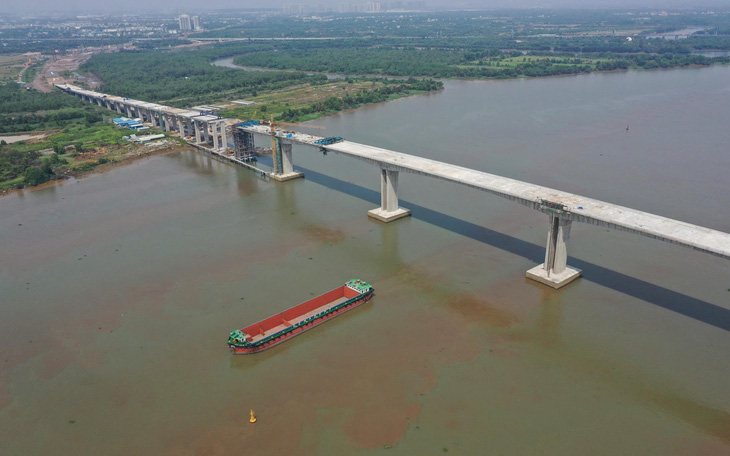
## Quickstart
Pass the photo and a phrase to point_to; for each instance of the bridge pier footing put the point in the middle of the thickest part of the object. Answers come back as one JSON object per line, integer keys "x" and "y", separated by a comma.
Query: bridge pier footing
{"x": 389, "y": 209}
{"x": 287, "y": 165}
{"x": 555, "y": 272}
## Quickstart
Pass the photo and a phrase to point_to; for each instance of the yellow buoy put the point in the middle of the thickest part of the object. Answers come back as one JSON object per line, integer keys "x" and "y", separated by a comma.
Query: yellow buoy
{"x": 253, "y": 417}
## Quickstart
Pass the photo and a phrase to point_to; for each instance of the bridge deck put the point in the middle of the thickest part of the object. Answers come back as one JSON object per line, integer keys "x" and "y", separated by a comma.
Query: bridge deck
{"x": 574, "y": 207}
{"x": 577, "y": 208}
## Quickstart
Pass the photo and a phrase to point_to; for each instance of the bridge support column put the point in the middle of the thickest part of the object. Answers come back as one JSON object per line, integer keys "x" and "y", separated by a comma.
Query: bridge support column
{"x": 197, "y": 126}
{"x": 555, "y": 272}
{"x": 389, "y": 209}
{"x": 181, "y": 126}
{"x": 206, "y": 133}
{"x": 287, "y": 172}
{"x": 216, "y": 144}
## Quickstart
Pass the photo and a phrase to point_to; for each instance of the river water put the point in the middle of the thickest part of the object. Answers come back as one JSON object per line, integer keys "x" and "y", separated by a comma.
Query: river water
{"x": 119, "y": 289}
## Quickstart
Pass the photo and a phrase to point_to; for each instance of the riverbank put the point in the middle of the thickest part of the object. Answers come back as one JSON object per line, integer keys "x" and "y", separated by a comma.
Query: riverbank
{"x": 309, "y": 102}
{"x": 98, "y": 161}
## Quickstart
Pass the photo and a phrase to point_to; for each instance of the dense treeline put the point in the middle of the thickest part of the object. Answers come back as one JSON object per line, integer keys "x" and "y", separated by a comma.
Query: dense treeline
{"x": 16, "y": 99}
{"x": 13, "y": 163}
{"x": 20, "y": 167}
{"x": 358, "y": 60}
{"x": 356, "y": 57}
{"x": 46, "y": 121}
{"x": 179, "y": 78}
{"x": 28, "y": 110}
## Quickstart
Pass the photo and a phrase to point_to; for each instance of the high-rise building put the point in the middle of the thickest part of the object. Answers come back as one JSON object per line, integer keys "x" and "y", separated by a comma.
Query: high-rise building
{"x": 184, "y": 20}
{"x": 196, "y": 22}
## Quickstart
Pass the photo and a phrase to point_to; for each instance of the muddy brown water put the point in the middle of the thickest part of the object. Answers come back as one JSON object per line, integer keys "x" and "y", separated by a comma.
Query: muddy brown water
{"x": 119, "y": 289}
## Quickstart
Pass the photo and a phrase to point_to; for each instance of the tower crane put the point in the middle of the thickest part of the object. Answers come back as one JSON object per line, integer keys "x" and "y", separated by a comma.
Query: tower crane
{"x": 274, "y": 150}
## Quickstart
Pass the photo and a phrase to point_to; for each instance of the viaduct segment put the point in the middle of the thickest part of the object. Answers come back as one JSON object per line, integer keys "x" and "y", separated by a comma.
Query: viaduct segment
{"x": 562, "y": 208}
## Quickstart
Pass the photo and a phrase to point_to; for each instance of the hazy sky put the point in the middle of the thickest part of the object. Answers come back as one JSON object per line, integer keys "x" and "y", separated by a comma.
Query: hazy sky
{"x": 175, "y": 6}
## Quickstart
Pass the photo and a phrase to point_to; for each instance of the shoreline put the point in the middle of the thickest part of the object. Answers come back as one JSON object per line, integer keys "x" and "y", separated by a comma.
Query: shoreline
{"x": 113, "y": 164}
{"x": 99, "y": 169}
{"x": 437, "y": 78}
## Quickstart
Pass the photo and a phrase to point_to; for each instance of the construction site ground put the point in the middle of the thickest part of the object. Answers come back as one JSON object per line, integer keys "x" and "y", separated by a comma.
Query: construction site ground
{"x": 63, "y": 69}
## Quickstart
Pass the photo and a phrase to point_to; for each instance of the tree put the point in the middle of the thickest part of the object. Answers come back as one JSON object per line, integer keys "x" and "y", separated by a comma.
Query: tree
{"x": 34, "y": 176}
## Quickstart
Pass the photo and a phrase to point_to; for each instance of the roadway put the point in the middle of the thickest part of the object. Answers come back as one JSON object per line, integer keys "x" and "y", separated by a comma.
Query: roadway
{"x": 572, "y": 207}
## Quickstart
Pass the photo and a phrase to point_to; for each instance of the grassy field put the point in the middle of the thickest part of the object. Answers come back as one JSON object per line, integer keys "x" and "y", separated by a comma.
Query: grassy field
{"x": 300, "y": 98}
{"x": 531, "y": 59}
{"x": 276, "y": 102}
{"x": 10, "y": 66}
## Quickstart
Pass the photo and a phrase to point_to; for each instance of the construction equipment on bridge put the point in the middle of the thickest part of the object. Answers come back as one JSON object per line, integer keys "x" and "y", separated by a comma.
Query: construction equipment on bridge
{"x": 276, "y": 156}
{"x": 248, "y": 123}
{"x": 209, "y": 113}
{"x": 557, "y": 208}
{"x": 243, "y": 144}
{"x": 328, "y": 141}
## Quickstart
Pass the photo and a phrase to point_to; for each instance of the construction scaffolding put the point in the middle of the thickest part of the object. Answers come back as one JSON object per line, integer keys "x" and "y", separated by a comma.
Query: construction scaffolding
{"x": 244, "y": 148}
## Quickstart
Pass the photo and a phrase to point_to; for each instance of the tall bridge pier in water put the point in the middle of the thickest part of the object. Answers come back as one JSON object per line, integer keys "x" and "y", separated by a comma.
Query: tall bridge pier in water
{"x": 562, "y": 208}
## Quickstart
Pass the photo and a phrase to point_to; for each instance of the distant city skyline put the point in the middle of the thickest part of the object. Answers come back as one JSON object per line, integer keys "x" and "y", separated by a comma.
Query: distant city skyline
{"x": 42, "y": 7}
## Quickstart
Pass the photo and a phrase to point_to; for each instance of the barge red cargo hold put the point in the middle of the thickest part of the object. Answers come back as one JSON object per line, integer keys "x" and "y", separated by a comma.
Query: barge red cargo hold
{"x": 276, "y": 329}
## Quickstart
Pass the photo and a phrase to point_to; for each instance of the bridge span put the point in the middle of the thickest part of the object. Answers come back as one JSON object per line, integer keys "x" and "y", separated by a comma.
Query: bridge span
{"x": 563, "y": 208}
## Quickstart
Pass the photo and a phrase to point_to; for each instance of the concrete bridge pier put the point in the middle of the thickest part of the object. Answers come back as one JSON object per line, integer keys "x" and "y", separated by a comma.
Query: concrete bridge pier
{"x": 205, "y": 130}
{"x": 286, "y": 172}
{"x": 555, "y": 272}
{"x": 181, "y": 125}
{"x": 389, "y": 209}
{"x": 214, "y": 126}
{"x": 224, "y": 133}
{"x": 221, "y": 130}
{"x": 151, "y": 118}
{"x": 197, "y": 126}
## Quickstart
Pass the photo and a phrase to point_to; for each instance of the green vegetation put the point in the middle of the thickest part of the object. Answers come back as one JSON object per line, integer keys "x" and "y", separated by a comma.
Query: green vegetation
{"x": 465, "y": 59}
{"x": 22, "y": 165}
{"x": 310, "y": 102}
{"x": 10, "y": 65}
{"x": 186, "y": 78}
{"x": 77, "y": 148}
{"x": 510, "y": 24}
{"x": 33, "y": 69}
{"x": 27, "y": 110}
{"x": 493, "y": 44}
{"x": 183, "y": 78}
{"x": 388, "y": 90}
{"x": 78, "y": 141}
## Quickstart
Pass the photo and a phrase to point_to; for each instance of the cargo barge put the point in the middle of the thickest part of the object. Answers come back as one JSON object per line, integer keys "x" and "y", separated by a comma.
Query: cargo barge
{"x": 274, "y": 330}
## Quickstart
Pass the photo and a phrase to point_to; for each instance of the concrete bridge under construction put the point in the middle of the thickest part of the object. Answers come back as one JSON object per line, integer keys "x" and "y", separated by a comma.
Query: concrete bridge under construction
{"x": 562, "y": 208}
